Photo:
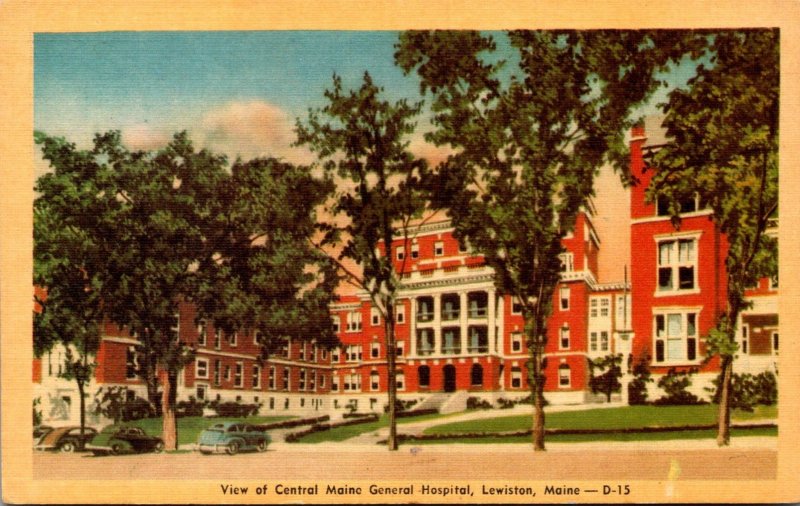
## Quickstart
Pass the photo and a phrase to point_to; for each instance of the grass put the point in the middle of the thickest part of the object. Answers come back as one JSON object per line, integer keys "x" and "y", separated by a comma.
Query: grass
{"x": 579, "y": 438}
{"x": 189, "y": 427}
{"x": 350, "y": 431}
{"x": 625, "y": 417}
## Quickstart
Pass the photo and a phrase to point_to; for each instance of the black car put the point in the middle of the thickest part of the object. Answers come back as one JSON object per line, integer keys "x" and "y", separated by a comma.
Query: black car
{"x": 115, "y": 440}
{"x": 66, "y": 439}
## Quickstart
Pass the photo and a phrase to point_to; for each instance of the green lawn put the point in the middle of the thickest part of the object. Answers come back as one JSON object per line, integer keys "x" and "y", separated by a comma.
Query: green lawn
{"x": 189, "y": 427}
{"x": 605, "y": 418}
{"x": 577, "y": 438}
{"x": 349, "y": 431}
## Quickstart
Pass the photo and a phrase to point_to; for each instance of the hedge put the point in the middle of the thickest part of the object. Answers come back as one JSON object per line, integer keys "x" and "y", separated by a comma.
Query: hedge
{"x": 320, "y": 427}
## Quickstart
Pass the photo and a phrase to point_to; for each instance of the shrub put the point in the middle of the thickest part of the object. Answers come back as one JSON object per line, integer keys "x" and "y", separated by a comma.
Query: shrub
{"x": 136, "y": 409}
{"x": 637, "y": 388}
{"x": 192, "y": 407}
{"x": 400, "y": 405}
{"x": 510, "y": 403}
{"x": 478, "y": 403}
{"x": 235, "y": 409}
{"x": 606, "y": 381}
{"x": 748, "y": 390}
{"x": 675, "y": 385}
{"x": 37, "y": 413}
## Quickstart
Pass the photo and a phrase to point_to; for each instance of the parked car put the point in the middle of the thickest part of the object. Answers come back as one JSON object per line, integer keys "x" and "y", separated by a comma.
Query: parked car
{"x": 40, "y": 430}
{"x": 66, "y": 439}
{"x": 232, "y": 437}
{"x": 115, "y": 440}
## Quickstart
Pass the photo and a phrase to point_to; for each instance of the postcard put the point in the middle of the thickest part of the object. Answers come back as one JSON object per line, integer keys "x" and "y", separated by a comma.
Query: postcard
{"x": 399, "y": 252}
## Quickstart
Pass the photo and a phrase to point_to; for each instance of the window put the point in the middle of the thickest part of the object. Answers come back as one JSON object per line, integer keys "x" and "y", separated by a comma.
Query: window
{"x": 217, "y": 372}
{"x": 593, "y": 308}
{"x": 374, "y": 381}
{"x": 302, "y": 384}
{"x": 415, "y": 251}
{"x": 476, "y": 375}
{"x": 676, "y": 264}
{"x": 563, "y": 295}
{"x": 175, "y": 327}
{"x": 516, "y": 377}
{"x": 478, "y": 339}
{"x": 401, "y": 314}
{"x": 401, "y": 348}
{"x": 604, "y": 306}
{"x": 438, "y": 248}
{"x": 593, "y": 341}
{"x": 401, "y": 252}
{"x": 227, "y": 373}
{"x": 516, "y": 341}
{"x": 374, "y": 316}
{"x": 564, "y": 376}
{"x": 201, "y": 392}
{"x": 201, "y": 368}
{"x": 335, "y": 381}
{"x": 131, "y": 363}
{"x": 353, "y": 321}
{"x": 676, "y": 337}
{"x": 424, "y": 309}
{"x": 286, "y": 378}
{"x": 336, "y": 324}
{"x": 400, "y": 381}
{"x": 775, "y": 342}
{"x": 424, "y": 341}
{"x": 462, "y": 246}
{"x": 354, "y": 353}
{"x": 335, "y": 355}
{"x": 233, "y": 339}
{"x": 256, "y": 377}
{"x": 516, "y": 306}
{"x": 313, "y": 353}
{"x": 285, "y": 347}
{"x": 352, "y": 382}
{"x": 256, "y": 337}
{"x": 217, "y": 339}
{"x": 687, "y": 205}
{"x": 604, "y": 340}
{"x": 202, "y": 332}
{"x": 773, "y": 282}
{"x": 567, "y": 262}
{"x": 744, "y": 339}
{"x": 451, "y": 307}
{"x": 322, "y": 381}
{"x": 271, "y": 379}
{"x": 478, "y": 303}
{"x": 375, "y": 350}
{"x": 563, "y": 342}
{"x": 451, "y": 337}
{"x": 312, "y": 380}
{"x": 302, "y": 351}
{"x": 424, "y": 373}
{"x": 237, "y": 375}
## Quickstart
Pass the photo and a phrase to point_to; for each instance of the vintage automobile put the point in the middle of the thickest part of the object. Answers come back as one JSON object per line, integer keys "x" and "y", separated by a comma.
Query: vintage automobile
{"x": 66, "y": 439}
{"x": 115, "y": 440}
{"x": 40, "y": 430}
{"x": 232, "y": 437}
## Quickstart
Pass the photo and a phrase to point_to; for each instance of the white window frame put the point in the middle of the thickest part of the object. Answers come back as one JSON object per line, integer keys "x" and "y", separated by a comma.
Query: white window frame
{"x": 567, "y": 262}
{"x": 302, "y": 383}
{"x": 516, "y": 342}
{"x": 337, "y": 323}
{"x": 400, "y": 314}
{"x": 563, "y": 334}
{"x": 605, "y": 341}
{"x": 594, "y": 341}
{"x": 271, "y": 378}
{"x": 217, "y": 339}
{"x": 676, "y": 261}
{"x": 354, "y": 321}
{"x": 201, "y": 372}
{"x": 374, "y": 381}
{"x": 438, "y": 249}
{"x": 217, "y": 372}
{"x": 256, "y": 376}
{"x": 202, "y": 333}
{"x": 375, "y": 350}
{"x": 516, "y": 377}
{"x": 336, "y": 383}
{"x": 562, "y": 368}
{"x": 683, "y": 335}
{"x": 564, "y": 293}
{"x": 287, "y": 379}
{"x": 400, "y": 253}
{"x": 400, "y": 381}
{"x": 238, "y": 375}
{"x": 233, "y": 339}
{"x": 415, "y": 251}
{"x": 593, "y": 311}
{"x": 605, "y": 307}
{"x": 400, "y": 349}
{"x": 374, "y": 316}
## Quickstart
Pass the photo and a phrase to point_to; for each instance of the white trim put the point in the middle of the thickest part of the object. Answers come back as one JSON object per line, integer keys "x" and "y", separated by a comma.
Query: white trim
{"x": 651, "y": 219}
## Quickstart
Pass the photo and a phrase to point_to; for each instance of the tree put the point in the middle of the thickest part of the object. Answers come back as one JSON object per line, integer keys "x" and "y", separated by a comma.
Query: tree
{"x": 610, "y": 371}
{"x": 723, "y": 131}
{"x": 527, "y": 147}
{"x": 178, "y": 226}
{"x": 360, "y": 139}
{"x": 70, "y": 247}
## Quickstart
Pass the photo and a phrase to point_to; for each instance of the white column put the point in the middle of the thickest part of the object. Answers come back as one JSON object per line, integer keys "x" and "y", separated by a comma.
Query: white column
{"x": 412, "y": 332}
{"x": 462, "y": 319}
{"x": 491, "y": 319}
{"x": 499, "y": 326}
{"x": 437, "y": 323}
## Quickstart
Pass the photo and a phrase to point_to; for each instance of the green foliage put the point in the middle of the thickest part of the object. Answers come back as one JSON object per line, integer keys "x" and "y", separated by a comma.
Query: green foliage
{"x": 748, "y": 390}
{"x": 637, "y": 388}
{"x": 605, "y": 373}
{"x": 478, "y": 403}
{"x": 37, "y": 411}
{"x": 235, "y": 409}
{"x": 113, "y": 402}
{"x": 675, "y": 384}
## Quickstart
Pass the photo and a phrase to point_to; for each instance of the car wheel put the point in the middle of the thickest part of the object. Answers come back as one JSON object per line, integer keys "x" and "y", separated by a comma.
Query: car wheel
{"x": 233, "y": 448}
{"x": 67, "y": 446}
{"x": 262, "y": 445}
{"x": 116, "y": 449}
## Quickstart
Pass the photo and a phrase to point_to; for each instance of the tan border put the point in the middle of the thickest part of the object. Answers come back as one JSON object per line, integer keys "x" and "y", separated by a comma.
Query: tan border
{"x": 20, "y": 19}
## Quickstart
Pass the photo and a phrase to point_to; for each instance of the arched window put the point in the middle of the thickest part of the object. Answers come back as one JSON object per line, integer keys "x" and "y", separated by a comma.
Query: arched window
{"x": 424, "y": 376}
{"x": 476, "y": 375}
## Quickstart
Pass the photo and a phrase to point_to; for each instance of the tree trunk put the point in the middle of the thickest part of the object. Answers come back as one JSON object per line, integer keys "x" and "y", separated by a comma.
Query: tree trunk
{"x": 169, "y": 432}
{"x": 391, "y": 366}
{"x": 81, "y": 387}
{"x": 724, "y": 416}
{"x": 538, "y": 399}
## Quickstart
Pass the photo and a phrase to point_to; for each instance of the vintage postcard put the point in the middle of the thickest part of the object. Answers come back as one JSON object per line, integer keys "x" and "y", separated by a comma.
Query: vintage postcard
{"x": 398, "y": 252}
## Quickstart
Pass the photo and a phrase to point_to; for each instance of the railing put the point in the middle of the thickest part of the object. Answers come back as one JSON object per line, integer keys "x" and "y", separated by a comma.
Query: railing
{"x": 481, "y": 348}
{"x": 452, "y": 314}
{"x": 451, "y": 350}
{"x": 480, "y": 312}
{"x": 425, "y": 317}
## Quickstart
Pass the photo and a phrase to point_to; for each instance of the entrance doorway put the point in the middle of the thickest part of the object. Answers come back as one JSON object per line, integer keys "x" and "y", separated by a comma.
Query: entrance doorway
{"x": 449, "y": 378}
